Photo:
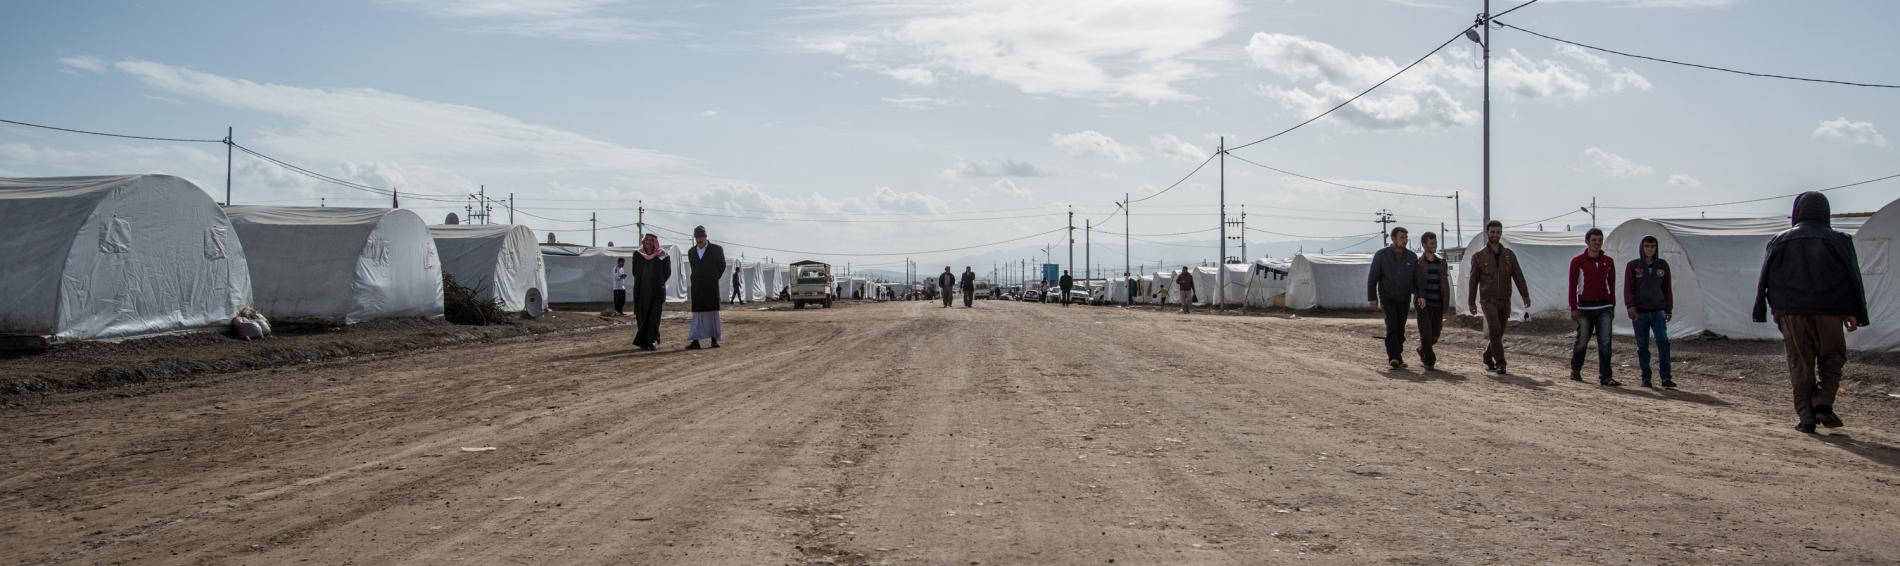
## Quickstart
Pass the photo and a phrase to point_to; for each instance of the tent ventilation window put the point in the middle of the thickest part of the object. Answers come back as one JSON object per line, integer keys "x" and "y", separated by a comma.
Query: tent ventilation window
{"x": 378, "y": 251}
{"x": 115, "y": 236}
{"x": 1879, "y": 254}
{"x": 214, "y": 243}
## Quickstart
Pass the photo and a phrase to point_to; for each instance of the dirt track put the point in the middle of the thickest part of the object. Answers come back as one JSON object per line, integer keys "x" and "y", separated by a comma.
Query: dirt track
{"x": 905, "y": 433}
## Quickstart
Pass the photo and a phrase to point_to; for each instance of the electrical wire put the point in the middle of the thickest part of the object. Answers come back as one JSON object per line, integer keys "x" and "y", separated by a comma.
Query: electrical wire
{"x": 1333, "y": 183}
{"x": 1519, "y": 7}
{"x": 1163, "y": 235}
{"x": 126, "y": 136}
{"x": 1361, "y": 243}
{"x": 849, "y": 221}
{"x": 876, "y": 254}
{"x": 1251, "y": 229}
{"x": 1698, "y": 66}
{"x": 1184, "y": 178}
{"x": 1434, "y": 51}
{"x": 1777, "y": 197}
{"x": 1544, "y": 220}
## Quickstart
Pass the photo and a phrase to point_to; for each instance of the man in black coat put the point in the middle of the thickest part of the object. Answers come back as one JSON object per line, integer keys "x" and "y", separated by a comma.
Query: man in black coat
{"x": 945, "y": 283}
{"x": 708, "y": 262}
{"x": 1068, "y": 284}
{"x": 651, "y": 269}
{"x": 968, "y": 285}
{"x": 1389, "y": 290}
{"x": 1811, "y": 278}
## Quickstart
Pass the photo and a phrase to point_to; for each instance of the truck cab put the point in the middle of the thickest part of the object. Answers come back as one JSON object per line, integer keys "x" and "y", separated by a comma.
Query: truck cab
{"x": 811, "y": 284}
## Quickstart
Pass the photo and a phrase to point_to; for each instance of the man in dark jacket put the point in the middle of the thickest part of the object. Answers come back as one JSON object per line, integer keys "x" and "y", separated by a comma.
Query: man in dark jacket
{"x": 651, "y": 269}
{"x": 1493, "y": 269}
{"x": 1389, "y": 290}
{"x": 708, "y": 262}
{"x": 1067, "y": 283}
{"x": 1432, "y": 286}
{"x": 1811, "y": 278}
{"x": 1185, "y": 283}
{"x": 945, "y": 283}
{"x": 968, "y": 286}
{"x": 738, "y": 294}
{"x": 1592, "y": 294}
{"x": 1649, "y": 298}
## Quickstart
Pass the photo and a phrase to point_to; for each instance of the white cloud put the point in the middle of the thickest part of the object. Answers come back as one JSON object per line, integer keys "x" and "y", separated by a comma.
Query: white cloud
{"x": 1615, "y": 166}
{"x": 912, "y": 75}
{"x": 581, "y": 20}
{"x": 1126, "y": 49}
{"x": 709, "y": 113}
{"x": 916, "y": 102}
{"x": 1850, "y": 132}
{"x": 85, "y": 63}
{"x": 1325, "y": 75}
{"x": 350, "y": 124}
{"x": 1684, "y": 180}
{"x": 1091, "y": 143}
{"x": 996, "y": 168}
{"x": 1655, "y": 3}
{"x": 1177, "y": 148}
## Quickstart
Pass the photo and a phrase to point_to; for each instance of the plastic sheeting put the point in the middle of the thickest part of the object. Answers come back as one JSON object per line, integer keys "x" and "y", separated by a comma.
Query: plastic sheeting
{"x": 1545, "y": 258}
{"x": 501, "y": 262}
{"x": 1874, "y": 243}
{"x": 1334, "y": 281}
{"x": 1717, "y": 263}
{"x": 106, "y": 257}
{"x": 339, "y": 264}
{"x": 585, "y": 274}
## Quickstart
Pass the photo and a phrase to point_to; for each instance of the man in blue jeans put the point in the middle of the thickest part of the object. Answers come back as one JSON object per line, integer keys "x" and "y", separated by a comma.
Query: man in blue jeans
{"x": 1592, "y": 306}
{"x": 1650, "y": 300}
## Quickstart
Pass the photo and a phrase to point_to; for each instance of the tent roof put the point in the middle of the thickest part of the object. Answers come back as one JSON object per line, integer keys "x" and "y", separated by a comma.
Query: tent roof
{"x": 62, "y": 187}
{"x": 307, "y": 215}
{"x": 1338, "y": 259}
{"x": 1746, "y": 226}
{"x": 440, "y": 231}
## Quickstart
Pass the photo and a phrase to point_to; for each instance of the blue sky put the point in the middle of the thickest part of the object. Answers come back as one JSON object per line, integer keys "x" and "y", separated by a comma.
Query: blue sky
{"x": 898, "y": 116}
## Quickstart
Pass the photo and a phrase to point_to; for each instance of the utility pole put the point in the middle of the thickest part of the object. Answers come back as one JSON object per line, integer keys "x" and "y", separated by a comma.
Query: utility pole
{"x": 593, "y": 228}
{"x": 1385, "y": 217}
{"x": 641, "y": 223}
{"x": 1484, "y": 19}
{"x": 1457, "y": 213}
{"x": 511, "y": 208}
{"x": 1220, "y": 273}
{"x": 228, "y": 144}
{"x": 1088, "y": 248}
{"x": 1071, "y": 262}
{"x": 1127, "y": 263}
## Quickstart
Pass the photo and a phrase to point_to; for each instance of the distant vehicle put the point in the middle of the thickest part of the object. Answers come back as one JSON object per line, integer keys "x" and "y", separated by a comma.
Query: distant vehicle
{"x": 1006, "y": 297}
{"x": 982, "y": 290}
{"x": 1032, "y": 296}
{"x": 811, "y": 284}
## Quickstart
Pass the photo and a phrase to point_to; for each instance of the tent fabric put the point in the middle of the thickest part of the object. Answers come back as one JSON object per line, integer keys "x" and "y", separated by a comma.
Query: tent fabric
{"x": 1267, "y": 283}
{"x": 1717, "y": 264}
{"x": 339, "y": 264}
{"x": 1874, "y": 244}
{"x": 1334, "y": 281}
{"x": 584, "y": 274}
{"x": 1545, "y": 258}
{"x": 501, "y": 262}
{"x": 115, "y": 256}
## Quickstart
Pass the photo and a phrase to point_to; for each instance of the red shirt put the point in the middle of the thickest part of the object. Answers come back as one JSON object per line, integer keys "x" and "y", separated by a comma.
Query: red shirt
{"x": 1592, "y": 281}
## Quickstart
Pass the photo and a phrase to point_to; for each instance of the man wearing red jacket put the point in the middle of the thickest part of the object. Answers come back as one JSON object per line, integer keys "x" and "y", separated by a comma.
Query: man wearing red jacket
{"x": 1593, "y": 306}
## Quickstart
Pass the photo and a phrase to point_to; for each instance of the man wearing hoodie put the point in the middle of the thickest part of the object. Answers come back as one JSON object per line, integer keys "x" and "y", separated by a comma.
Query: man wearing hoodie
{"x": 1593, "y": 306}
{"x": 1811, "y": 278}
{"x": 1650, "y": 299}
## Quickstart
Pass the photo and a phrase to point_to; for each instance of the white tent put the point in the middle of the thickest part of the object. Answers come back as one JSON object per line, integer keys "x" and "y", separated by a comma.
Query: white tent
{"x": 585, "y": 274}
{"x": 102, "y": 257}
{"x": 339, "y": 264}
{"x": 1334, "y": 281}
{"x": 1267, "y": 283}
{"x": 769, "y": 278}
{"x": 1717, "y": 264}
{"x": 1545, "y": 258}
{"x": 752, "y": 276}
{"x": 1874, "y": 243}
{"x": 499, "y": 261}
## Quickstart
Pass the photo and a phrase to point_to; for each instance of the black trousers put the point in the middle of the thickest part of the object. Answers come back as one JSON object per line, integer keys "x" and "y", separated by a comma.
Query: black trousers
{"x": 1395, "y": 314}
{"x": 969, "y": 296}
{"x": 620, "y": 301}
{"x": 647, "y": 314}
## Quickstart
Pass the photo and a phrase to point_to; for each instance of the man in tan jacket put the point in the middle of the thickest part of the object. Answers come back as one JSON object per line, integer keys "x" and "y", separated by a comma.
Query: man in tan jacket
{"x": 1493, "y": 269}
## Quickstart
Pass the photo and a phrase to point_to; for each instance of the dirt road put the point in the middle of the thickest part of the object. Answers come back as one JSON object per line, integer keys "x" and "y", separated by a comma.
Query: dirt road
{"x": 910, "y": 434}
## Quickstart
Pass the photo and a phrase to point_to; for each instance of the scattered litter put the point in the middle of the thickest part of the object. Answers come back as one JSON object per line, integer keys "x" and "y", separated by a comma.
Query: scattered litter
{"x": 515, "y": 498}
{"x": 1822, "y": 548}
{"x": 835, "y": 517}
{"x": 480, "y": 449}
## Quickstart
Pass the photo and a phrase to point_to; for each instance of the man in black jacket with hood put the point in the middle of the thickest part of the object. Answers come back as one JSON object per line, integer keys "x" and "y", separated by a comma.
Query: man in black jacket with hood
{"x": 1811, "y": 279}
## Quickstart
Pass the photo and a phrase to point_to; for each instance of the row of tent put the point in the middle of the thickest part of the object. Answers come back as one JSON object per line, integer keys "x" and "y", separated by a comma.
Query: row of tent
{"x": 585, "y": 274}
{"x": 1717, "y": 265}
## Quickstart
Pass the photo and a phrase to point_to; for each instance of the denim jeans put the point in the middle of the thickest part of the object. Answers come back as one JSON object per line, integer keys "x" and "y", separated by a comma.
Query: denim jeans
{"x": 1596, "y": 321}
{"x": 1658, "y": 324}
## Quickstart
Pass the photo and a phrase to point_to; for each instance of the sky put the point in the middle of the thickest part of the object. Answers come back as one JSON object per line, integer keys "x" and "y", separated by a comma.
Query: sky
{"x": 965, "y": 132}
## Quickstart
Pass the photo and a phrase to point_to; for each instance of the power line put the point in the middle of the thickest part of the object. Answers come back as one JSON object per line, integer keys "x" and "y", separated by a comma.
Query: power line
{"x": 350, "y": 184}
{"x": 1698, "y": 66}
{"x": 1252, "y": 229}
{"x": 1519, "y": 7}
{"x": 877, "y": 254}
{"x": 1163, "y": 235}
{"x": 1197, "y": 169}
{"x": 1777, "y": 197}
{"x": 1333, "y": 183}
{"x": 848, "y": 220}
{"x": 1544, "y": 220}
{"x": 1434, "y": 51}
{"x": 127, "y": 136}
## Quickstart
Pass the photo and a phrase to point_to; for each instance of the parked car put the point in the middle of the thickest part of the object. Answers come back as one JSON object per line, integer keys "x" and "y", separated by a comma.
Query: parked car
{"x": 1032, "y": 296}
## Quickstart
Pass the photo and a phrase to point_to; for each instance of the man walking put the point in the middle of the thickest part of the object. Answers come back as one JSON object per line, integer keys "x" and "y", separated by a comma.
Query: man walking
{"x": 1592, "y": 305}
{"x": 968, "y": 286}
{"x": 1185, "y": 283}
{"x": 620, "y": 286}
{"x": 707, "y": 261}
{"x": 1389, "y": 290}
{"x": 1493, "y": 269}
{"x": 1431, "y": 287}
{"x": 738, "y": 296}
{"x": 1067, "y": 283}
{"x": 1649, "y": 298}
{"x": 945, "y": 283}
{"x": 1811, "y": 278}
{"x": 651, "y": 269}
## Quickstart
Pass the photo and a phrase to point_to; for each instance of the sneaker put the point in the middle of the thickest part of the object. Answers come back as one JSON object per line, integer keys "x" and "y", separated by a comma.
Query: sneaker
{"x": 1490, "y": 367}
{"x": 1576, "y": 375}
{"x": 1396, "y": 364}
{"x": 1669, "y": 383}
{"x": 1825, "y": 414}
{"x": 1608, "y": 382}
{"x": 693, "y": 346}
{"x": 1431, "y": 367}
{"x": 1806, "y": 427}
{"x": 1646, "y": 383}
{"x": 1502, "y": 371}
